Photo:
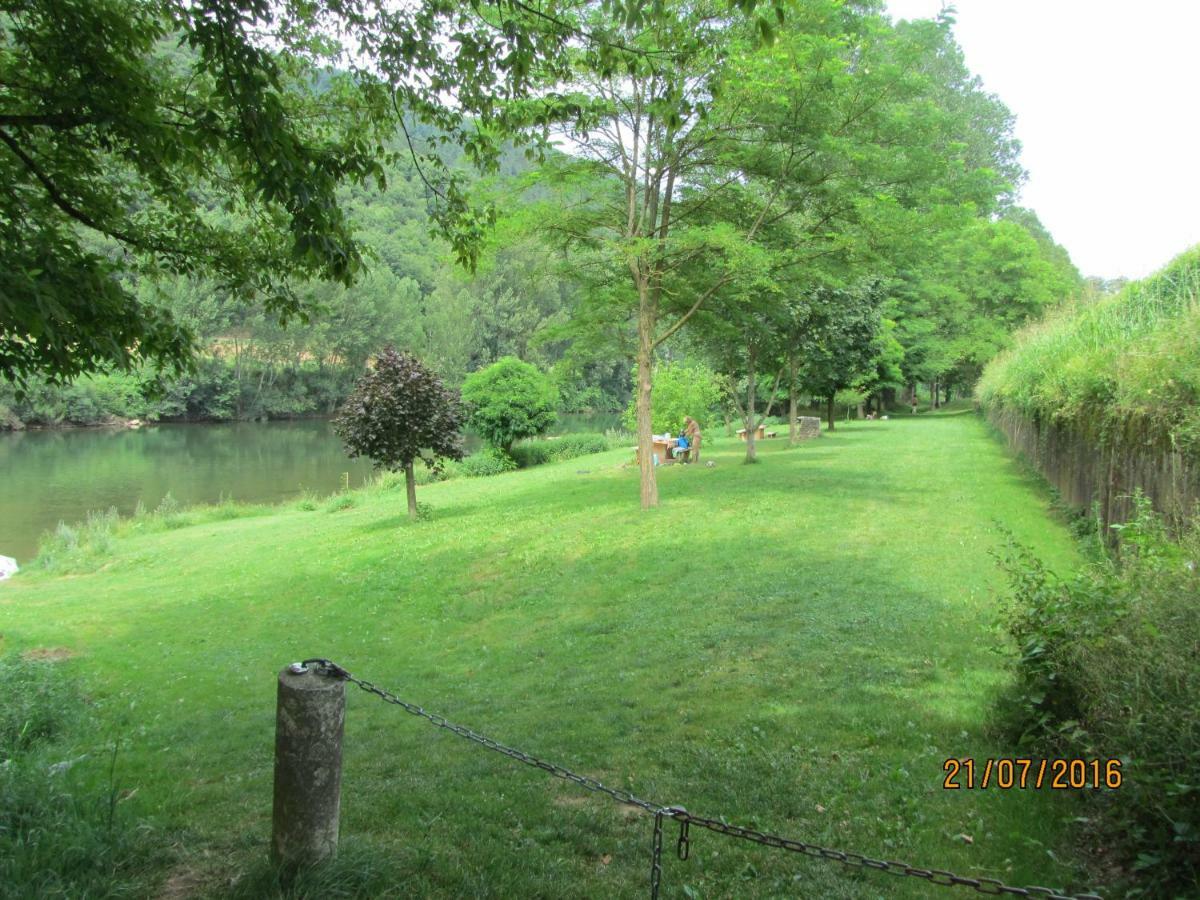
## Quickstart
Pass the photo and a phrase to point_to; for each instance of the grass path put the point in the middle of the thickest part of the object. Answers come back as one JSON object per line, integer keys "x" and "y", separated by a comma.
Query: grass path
{"x": 796, "y": 646}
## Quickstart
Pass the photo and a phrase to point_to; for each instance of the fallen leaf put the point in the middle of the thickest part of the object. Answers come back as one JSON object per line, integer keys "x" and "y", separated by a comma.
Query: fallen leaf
{"x": 820, "y": 808}
{"x": 966, "y": 839}
{"x": 606, "y": 859}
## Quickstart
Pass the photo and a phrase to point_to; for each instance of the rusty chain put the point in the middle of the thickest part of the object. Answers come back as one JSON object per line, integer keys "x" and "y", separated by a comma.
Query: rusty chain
{"x": 685, "y": 819}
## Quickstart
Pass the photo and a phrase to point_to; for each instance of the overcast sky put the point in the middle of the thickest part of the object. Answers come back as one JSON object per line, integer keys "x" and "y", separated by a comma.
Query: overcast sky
{"x": 1107, "y": 99}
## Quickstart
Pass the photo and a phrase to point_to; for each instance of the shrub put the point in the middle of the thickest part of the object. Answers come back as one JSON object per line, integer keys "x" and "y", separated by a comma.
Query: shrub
{"x": 487, "y": 462}
{"x": 680, "y": 389}
{"x": 571, "y": 445}
{"x": 509, "y": 400}
{"x": 1106, "y": 668}
{"x": 531, "y": 454}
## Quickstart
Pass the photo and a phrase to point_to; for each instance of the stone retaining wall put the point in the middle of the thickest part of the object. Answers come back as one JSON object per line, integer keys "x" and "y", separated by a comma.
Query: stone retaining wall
{"x": 1086, "y": 472}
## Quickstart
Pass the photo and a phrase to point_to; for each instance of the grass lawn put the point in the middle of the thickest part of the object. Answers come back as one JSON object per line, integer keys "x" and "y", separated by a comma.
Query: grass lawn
{"x": 796, "y": 646}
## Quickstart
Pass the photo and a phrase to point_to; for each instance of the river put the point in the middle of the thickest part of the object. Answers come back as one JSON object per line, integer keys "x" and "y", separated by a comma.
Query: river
{"x": 52, "y": 476}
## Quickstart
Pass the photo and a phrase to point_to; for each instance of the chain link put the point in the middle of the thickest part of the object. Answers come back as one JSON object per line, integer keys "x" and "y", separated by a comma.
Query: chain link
{"x": 685, "y": 819}
{"x": 656, "y": 856}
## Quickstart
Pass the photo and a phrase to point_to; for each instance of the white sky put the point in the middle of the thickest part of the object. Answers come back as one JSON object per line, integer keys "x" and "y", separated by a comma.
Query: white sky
{"x": 1107, "y": 99}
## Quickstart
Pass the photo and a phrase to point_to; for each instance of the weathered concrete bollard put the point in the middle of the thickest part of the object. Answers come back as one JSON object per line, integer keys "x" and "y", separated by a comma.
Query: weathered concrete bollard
{"x": 309, "y": 715}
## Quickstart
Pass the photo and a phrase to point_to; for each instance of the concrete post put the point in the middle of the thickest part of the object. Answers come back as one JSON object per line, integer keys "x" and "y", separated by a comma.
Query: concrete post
{"x": 309, "y": 715}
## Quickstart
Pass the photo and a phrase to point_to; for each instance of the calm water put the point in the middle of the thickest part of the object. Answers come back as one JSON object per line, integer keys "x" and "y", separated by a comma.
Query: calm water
{"x": 47, "y": 477}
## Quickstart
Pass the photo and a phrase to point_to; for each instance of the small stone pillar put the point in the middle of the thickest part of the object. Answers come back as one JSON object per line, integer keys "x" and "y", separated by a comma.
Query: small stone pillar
{"x": 309, "y": 715}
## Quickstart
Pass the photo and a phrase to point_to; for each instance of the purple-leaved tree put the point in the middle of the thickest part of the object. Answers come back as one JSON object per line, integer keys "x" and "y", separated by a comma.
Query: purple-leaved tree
{"x": 400, "y": 412}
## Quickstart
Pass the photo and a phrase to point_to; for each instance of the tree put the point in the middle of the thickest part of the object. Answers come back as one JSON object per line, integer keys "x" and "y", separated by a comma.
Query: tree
{"x": 835, "y": 122}
{"x": 141, "y": 137}
{"x": 680, "y": 389}
{"x": 841, "y": 341}
{"x": 399, "y": 412}
{"x": 509, "y": 400}
{"x": 973, "y": 286}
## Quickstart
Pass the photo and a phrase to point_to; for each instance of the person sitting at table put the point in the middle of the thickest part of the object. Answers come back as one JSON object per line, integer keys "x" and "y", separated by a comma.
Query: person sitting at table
{"x": 691, "y": 430}
{"x": 681, "y": 448}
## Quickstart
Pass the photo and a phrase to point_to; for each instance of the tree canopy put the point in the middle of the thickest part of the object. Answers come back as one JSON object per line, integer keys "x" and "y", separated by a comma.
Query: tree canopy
{"x": 509, "y": 400}
{"x": 400, "y": 412}
{"x": 170, "y": 137}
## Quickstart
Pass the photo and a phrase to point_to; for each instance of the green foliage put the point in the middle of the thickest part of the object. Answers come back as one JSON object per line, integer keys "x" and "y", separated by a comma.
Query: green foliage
{"x": 1106, "y": 668}
{"x": 1123, "y": 367}
{"x": 971, "y": 286}
{"x": 509, "y": 400}
{"x": 531, "y": 453}
{"x": 680, "y": 389}
{"x": 215, "y": 389}
{"x": 487, "y": 462}
{"x": 850, "y": 397}
{"x": 838, "y": 336}
{"x": 221, "y": 145}
{"x": 340, "y": 502}
{"x": 568, "y": 446}
{"x": 308, "y": 501}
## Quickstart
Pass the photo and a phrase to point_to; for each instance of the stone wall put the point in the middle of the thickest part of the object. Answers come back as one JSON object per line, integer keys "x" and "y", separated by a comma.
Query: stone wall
{"x": 1086, "y": 471}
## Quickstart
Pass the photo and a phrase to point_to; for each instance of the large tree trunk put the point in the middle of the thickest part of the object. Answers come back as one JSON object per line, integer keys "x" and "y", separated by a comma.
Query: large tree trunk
{"x": 649, "y": 483}
{"x": 410, "y": 485}
{"x": 829, "y": 410}
{"x": 751, "y": 425}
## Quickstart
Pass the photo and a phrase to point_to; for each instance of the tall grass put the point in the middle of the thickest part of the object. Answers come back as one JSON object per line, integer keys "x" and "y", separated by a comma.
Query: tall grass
{"x": 1127, "y": 365}
{"x": 65, "y": 825}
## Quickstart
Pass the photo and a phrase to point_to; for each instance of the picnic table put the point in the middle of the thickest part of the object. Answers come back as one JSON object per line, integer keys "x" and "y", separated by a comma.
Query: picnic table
{"x": 662, "y": 447}
{"x": 759, "y": 432}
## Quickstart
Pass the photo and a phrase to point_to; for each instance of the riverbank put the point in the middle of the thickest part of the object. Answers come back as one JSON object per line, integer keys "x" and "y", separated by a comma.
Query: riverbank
{"x": 63, "y": 475}
{"x": 796, "y": 645}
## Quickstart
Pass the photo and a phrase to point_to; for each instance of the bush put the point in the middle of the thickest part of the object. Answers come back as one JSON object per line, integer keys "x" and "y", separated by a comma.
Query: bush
{"x": 1106, "y": 668}
{"x": 531, "y": 454}
{"x": 569, "y": 446}
{"x": 487, "y": 462}
{"x": 680, "y": 389}
{"x": 509, "y": 400}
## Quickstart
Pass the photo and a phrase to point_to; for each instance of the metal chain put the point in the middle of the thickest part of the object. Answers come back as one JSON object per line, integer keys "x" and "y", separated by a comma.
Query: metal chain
{"x": 941, "y": 877}
{"x": 656, "y": 856}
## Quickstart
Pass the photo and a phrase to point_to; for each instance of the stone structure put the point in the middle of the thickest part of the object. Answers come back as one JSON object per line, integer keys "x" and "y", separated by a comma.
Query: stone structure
{"x": 1085, "y": 470}
{"x": 310, "y": 714}
{"x": 809, "y": 428}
